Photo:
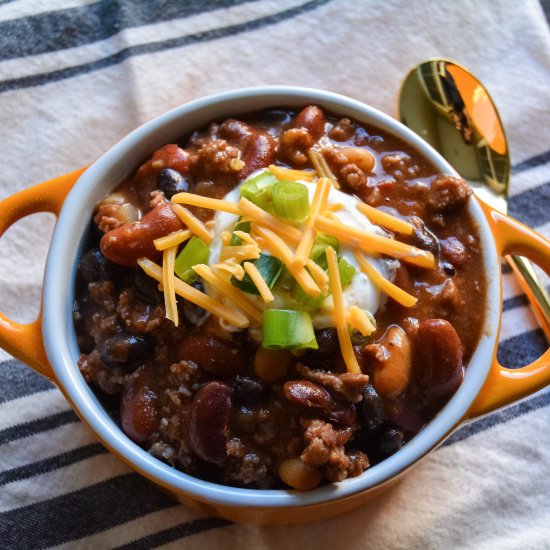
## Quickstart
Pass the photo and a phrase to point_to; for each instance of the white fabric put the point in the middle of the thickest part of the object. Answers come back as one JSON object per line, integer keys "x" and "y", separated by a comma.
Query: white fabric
{"x": 489, "y": 490}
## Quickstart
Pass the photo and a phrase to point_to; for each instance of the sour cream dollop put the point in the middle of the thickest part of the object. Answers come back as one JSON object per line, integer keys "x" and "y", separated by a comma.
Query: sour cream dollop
{"x": 361, "y": 292}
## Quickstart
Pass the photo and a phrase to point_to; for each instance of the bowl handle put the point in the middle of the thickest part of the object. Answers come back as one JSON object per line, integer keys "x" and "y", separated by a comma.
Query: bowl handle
{"x": 24, "y": 341}
{"x": 503, "y": 385}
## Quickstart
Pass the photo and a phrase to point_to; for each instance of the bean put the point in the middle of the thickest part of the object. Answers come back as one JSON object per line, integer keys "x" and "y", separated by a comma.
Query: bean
{"x": 248, "y": 391}
{"x": 125, "y": 350}
{"x": 388, "y": 443}
{"x": 170, "y": 182}
{"x": 272, "y": 365}
{"x": 208, "y": 422}
{"x": 392, "y": 362}
{"x": 138, "y": 413}
{"x": 362, "y": 158}
{"x": 218, "y": 357}
{"x": 147, "y": 288}
{"x": 298, "y": 475}
{"x": 438, "y": 365}
{"x": 313, "y": 120}
{"x": 90, "y": 265}
{"x": 315, "y": 400}
{"x": 194, "y": 313}
{"x": 329, "y": 347}
{"x": 370, "y": 409}
{"x": 126, "y": 244}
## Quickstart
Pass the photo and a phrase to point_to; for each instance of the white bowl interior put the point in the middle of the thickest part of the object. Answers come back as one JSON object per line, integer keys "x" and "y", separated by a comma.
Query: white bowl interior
{"x": 119, "y": 162}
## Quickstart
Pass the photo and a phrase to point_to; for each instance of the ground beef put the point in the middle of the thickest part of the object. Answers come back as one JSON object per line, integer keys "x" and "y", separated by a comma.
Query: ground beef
{"x": 348, "y": 173}
{"x": 342, "y": 131}
{"x": 448, "y": 193}
{"x": 217, "y": 157}
{"x": 294, "y": 145}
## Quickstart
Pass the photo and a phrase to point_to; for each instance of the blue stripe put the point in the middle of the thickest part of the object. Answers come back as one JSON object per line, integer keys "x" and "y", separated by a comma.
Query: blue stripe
{"x": 187, "y": 40}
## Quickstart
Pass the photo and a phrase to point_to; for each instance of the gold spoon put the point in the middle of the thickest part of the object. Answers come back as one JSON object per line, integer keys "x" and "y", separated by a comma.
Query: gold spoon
{"x": 451, "y": 109}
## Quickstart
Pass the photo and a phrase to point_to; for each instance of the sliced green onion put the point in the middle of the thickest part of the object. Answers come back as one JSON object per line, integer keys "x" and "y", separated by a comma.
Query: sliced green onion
{"x": 269, "y": 267}
{"x": 306, "y": 302}
{"x": 286, "y": 280}
{"x": 258, "y": 189}
{"x": 241, "y": 226}
{"x": 290, "y": 200}
{"x": 195, "y": 252}
{"x": 288, "y": 329}
{"x": 347, "y": 271}
{"x": 320, "y": 244}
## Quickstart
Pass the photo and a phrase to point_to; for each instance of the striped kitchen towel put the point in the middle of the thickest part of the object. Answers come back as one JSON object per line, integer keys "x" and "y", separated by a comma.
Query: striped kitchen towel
{"x": 76, "y": 76}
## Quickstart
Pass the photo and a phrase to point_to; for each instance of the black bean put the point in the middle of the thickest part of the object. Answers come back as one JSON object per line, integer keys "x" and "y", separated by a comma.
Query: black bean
{"x": 195, "y": 314}
{"x": 389, "y": 442}
{"x": 170, "y": 182}
{"x": 448, "y": 269}
{"x": 147, "y": 288}
{"x": 248, "y": 391}
{"x": 329, "y": 347}
{"x": 370, "y": 409}
{"x": 90, "y": 265}
{"x": 125, "y": 350}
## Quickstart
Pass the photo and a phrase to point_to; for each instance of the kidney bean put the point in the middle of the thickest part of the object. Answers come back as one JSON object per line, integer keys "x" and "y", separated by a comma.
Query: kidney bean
{"x": 125, "y": 350}
{"x": 208, "y": 422}
{"x": 313, "y": 120}
{"x": 454, "y": 251}
{"x": 138, "y": 413}
{"x": 438, "y": 358}
{"x": 314, "y": 400}
{"x": 126, "y": 244}
{"x": 257, "y": 148}
{"x": 218, "y": 357}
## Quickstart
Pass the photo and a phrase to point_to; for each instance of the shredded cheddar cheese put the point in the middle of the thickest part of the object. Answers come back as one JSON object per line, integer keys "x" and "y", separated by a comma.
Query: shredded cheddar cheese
{"x": 319, "y": 199}
{"x": 368, "y": 242}
{"x": 339, "y": 313}
{"x": 318, "y": 274}
{"x": 255, "y": 213}
{"x": 228, "y": 290}
{"x": 241, "y": 252}
{"x": 173, "y": 239}
{"x": 231, "y": 267}
{"x": 206, "y": 202}
{"x": 193, "y": 223}
{"x": 360, "y": 321}
{"x": 258, "y": 280}
{"x": 321, "y": 166}
{"x": 282, "y": 173}
{"x": 385, "y": 220}
{"x": 398, "y": 294}
{"x": 168, "y": 281}
{"x": 198, "y": 298}
{"x": 279, "y": 249}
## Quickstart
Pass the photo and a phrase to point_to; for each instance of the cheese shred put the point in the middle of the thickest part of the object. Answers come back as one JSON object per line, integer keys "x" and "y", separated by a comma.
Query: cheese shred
{"x": 360, "y": 321}
{"x": 368, "y": 242}
{"x": 282, "y": 173}
{"x": 258, "y": 280}
{"x": 398, "y": 294}
{"x": 339, "y": 313}
{"x": 195, "y": 296}
{"x": 385, "y": 220}
{"x": 168, "y": 279}
{"x": 225, "y": 288}
{"x": 173, "y": 239}
{"x": 193, "y": 223}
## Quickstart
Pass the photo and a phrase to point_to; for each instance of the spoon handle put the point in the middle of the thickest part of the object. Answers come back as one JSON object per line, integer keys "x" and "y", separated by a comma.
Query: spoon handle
{"x": 534, "y": 289}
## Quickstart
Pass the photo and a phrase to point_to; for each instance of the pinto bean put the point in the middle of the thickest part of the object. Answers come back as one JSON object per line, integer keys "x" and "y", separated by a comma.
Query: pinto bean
{"x": 208, "y": 422}
{"x": 126, "y": 244}
{"x": 392, "y": 362}
{"x": 313, "y": 120}
{"x": 138, "y": 413}
{"x": 218, "y": 357}
{"x": 299, "y": 475}
{"x": 314, "y": 400}
{"x": 438, "y": 364}
{"x": 362, "y": 158}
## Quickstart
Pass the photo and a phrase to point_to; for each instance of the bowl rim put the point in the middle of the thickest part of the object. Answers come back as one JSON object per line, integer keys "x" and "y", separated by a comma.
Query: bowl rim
{"x": 58, "y": 331}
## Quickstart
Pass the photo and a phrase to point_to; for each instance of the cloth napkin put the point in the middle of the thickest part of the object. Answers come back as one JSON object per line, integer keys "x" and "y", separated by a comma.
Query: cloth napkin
{"x": 76, "y": 76}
